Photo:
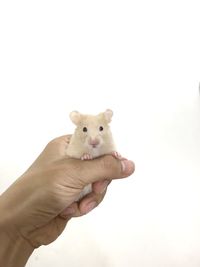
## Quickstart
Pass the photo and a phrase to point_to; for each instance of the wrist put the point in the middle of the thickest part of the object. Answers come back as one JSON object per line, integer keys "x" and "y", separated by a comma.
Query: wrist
{"x": 15, "y": 250}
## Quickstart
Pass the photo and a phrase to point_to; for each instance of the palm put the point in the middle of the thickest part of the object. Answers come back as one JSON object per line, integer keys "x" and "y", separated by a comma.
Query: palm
{"x": 49, "y": 232}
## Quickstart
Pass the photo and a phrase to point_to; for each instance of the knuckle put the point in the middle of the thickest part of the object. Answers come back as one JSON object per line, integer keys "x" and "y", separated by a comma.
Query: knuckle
{"x": 108, "y": 163}
{"x": 59, "y": 140}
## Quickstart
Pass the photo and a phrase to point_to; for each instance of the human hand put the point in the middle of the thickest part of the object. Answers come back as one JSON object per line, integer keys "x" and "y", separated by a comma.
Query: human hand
{"x": 39, "y": 204}
{"x": 56, "y": 150}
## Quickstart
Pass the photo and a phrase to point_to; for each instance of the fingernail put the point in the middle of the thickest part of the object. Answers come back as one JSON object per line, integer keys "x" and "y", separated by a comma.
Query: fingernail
{"x": 127, "y": 166}
{"x": 68, "y": 211}
{"x": 90, "y": 206}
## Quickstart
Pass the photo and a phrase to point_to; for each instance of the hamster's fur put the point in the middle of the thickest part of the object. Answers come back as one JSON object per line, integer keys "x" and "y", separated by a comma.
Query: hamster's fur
{"x": 92, "y": 137}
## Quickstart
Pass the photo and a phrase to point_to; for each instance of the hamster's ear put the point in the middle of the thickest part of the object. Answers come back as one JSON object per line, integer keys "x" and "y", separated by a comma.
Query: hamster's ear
{"x": 75, "y": 117}
{"x": 108, "y": 115}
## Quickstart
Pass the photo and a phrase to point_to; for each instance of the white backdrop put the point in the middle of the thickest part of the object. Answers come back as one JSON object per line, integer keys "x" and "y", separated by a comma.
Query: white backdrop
{"x": 141, "y": 59}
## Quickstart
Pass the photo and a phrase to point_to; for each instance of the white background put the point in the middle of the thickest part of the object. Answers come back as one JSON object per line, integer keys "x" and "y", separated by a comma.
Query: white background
{"x": 141, "y": 59}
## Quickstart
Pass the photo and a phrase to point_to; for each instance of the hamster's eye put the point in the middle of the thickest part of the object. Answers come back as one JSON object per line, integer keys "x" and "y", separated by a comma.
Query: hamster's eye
{"x": 101, "y": 128}
{"x": 84, "y": 129}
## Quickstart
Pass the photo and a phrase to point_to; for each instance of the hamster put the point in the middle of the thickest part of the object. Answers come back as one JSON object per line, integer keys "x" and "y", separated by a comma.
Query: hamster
{"x": 92, "y": 138}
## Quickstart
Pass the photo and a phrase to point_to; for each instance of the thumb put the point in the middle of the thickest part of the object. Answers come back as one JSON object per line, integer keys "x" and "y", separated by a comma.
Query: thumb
{"x": 104, "y": 167}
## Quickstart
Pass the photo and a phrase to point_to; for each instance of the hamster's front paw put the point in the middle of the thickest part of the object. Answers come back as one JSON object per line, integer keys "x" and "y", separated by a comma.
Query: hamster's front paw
{"x": 86, "y": 156}
{"x": 116, "y": 155}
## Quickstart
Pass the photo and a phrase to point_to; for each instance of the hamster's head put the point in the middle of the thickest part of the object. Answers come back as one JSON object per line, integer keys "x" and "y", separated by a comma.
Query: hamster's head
{"x": 92, "y": 131}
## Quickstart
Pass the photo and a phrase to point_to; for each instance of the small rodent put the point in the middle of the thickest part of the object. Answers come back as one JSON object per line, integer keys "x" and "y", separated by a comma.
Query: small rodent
{"x": 92, "y": 138}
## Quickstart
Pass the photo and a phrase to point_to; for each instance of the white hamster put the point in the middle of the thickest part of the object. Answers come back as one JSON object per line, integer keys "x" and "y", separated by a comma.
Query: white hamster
{"x": 92, "y": 138}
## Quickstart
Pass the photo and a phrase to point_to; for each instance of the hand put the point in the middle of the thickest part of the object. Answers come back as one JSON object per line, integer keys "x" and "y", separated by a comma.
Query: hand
{"x": 39, "y": 204}
{"x": 56, "y": 150}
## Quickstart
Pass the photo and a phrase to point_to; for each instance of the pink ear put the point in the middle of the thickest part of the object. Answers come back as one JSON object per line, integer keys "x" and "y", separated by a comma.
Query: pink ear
{"x": 75, "y": 117}
{"x": 108, "y": 115}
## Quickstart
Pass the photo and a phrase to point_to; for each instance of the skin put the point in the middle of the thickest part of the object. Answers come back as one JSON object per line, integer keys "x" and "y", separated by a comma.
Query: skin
{"x": 36, "y": 208}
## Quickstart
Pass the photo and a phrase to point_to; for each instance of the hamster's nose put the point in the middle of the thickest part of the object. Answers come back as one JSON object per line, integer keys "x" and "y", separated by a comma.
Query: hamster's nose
{"x": 94, "y": 142}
